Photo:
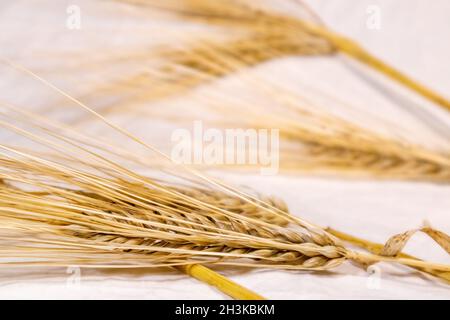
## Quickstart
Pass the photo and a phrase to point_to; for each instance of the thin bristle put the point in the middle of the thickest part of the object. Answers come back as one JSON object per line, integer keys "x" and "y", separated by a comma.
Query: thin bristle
{"x": 312, "y": 141}
{"x": 109, "y": 216}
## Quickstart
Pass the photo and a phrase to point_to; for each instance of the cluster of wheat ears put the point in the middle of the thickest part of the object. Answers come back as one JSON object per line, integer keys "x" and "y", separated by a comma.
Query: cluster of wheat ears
{"x": 71, "y": 199}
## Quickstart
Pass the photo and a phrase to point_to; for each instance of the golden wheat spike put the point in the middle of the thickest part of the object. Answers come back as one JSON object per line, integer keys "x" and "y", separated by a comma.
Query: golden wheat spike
{"x": 108, "y": 216}
{"x": 311, "y": 140}
{"x": 117, "y": 229}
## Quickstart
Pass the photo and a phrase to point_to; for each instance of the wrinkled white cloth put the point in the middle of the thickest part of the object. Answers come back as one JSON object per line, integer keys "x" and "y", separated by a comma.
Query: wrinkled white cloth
{"x": 413, "y": 36}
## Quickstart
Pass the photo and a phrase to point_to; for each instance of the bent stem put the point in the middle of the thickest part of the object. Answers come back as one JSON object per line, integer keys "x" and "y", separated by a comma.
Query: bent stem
{"x": 376, "y": 249}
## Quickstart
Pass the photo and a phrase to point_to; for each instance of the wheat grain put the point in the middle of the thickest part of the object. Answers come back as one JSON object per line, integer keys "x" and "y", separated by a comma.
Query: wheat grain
{"x": 56, "y": 213}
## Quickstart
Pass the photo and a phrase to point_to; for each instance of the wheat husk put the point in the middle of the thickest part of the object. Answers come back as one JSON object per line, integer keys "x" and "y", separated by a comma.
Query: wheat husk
{"x": 95, "y": 212}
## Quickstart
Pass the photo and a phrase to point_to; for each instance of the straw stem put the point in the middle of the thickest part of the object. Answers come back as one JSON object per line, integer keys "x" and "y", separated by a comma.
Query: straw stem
{"x": 222, "y": 283}
{"x": 354, "y": 50}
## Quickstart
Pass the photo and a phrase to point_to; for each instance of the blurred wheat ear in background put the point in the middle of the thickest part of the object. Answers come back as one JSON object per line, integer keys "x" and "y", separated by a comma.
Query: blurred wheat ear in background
{"x": 189, "y": 68}
{"x": 79, "y": 206}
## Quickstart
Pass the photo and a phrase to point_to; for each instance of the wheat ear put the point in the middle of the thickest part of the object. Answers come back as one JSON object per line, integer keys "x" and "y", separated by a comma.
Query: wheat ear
{"x": 118, "y": 218}
{"x": 341, "y": 43}
{"x": 344, "y": 151}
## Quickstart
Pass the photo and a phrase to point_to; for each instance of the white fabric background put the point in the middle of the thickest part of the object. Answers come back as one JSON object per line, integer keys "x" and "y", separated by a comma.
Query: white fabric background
{"x": 414, "y": 37}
